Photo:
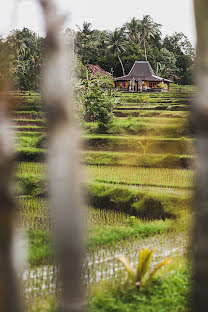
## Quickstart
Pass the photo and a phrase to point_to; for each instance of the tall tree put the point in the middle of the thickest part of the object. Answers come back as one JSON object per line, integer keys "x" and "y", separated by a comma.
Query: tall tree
{"x": 133, "y": 30}
{"x": 148, "y": 30}
{"x": 26, "y": 56}
{"x": 86, "y": 43}
{"x": 116, "y": 44}
{"x": 167, "y": 65}
{"x": 179, "y": 44}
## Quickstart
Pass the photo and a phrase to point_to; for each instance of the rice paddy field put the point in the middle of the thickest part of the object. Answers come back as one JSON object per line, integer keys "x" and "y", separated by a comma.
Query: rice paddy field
{"x": 139, "y": 180}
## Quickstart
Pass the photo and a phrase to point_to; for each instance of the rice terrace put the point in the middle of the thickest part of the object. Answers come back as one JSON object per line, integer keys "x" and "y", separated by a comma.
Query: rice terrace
{"x": 103, "y": 161}
{"x": 137, "y": 198}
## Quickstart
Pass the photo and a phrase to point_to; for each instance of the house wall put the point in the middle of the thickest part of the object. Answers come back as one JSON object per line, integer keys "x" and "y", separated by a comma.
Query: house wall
{"x": 122, "y": 85}
{"x": 145, "y": 84}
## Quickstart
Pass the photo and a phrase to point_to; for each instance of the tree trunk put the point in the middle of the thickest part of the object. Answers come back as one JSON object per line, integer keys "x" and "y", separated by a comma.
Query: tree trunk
{"x": 122, "y": 65}
{"x": 200, "y": 115}
{"x": 145, "y": 50}
{"x": 65, "y": 193}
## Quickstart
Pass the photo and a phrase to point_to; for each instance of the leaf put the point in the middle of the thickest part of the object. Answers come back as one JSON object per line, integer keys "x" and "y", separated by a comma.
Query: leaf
{"x": 141, "y": 261}
{"x": 147, "y": 262}
{"x": 128, "y": 266}
{"x": 159, "y": 266}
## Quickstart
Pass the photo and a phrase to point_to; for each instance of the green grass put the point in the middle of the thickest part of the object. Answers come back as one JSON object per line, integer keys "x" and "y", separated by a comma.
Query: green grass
{"x": 29, "y": 128}
{"x": 139, "y": 144}
{"x": 153, "y": 113}
{"x": 41, "y": 247}
{"x": 152, "y": 126}
{"x": 169, "y": 294}
{"x": 137, "y": 160}
{"x": 141, "y": 203}
{"x": 29, "y": 122}
{"x": 99, "y": 236}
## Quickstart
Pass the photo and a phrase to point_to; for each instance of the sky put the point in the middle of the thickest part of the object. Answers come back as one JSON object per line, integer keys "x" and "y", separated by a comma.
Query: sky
{"x": 175, "y": 16}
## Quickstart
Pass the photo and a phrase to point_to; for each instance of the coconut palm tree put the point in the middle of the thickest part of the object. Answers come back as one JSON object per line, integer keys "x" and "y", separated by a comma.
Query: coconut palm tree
{"x": 86, "y": 29}
{"x": 86, "y": 42}
{"x": 133, "y": 30}
{"x": 148, "y": 30}
{"x": 116, "y": 44}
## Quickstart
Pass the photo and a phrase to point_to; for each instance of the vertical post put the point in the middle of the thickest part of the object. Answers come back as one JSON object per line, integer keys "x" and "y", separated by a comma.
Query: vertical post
{"x": 200, "y": 115}
{"x": 63, "y": 161}
{"x": 9, "y": 298}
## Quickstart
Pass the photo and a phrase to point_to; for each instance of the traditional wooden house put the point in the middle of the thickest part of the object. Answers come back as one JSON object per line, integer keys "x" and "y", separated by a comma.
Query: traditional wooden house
{"x": 140, "y": 78}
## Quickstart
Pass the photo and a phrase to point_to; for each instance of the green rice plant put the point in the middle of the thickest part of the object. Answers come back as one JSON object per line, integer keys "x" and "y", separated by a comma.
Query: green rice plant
{"x": 160, "y": 177}
{"x": 33, "y": 213}
{"x": 31, "y": 168}
{"x": 144, "y": 261}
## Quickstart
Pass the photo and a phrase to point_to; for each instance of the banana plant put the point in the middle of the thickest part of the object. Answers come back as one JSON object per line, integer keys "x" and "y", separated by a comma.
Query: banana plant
{"x": 144, "y": 261}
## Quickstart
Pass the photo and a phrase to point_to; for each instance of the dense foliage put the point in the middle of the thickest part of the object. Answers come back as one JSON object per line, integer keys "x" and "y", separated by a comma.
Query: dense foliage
{"x": 97, "y": 100}
{"x": 24, "y": 49}
{"x": 114, "y": 51}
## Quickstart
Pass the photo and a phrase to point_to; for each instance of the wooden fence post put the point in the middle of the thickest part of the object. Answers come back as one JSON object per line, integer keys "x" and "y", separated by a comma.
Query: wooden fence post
{"x": 65, "y": 199}
{"x": 9, "y": 297}
{"x": 200, "y": 115}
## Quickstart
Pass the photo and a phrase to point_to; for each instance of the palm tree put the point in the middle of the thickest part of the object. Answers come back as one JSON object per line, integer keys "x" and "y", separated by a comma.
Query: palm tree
{"x": 133, "y": 30}
{"x": 117, "y": 44}
{"x": 148, "y": 30}
{"x": 86, "y": 29}
{"x": 86, "y": 41}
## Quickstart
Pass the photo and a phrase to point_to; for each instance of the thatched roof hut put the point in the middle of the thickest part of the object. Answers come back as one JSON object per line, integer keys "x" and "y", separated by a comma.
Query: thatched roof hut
{"x": 141, "y": 77}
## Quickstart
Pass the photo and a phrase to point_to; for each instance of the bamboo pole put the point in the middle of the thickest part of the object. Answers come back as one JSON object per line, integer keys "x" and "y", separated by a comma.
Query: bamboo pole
{"x": 65, "y": 197}
{"x": 200, "y": 115}
{"x": 9, "y": 297}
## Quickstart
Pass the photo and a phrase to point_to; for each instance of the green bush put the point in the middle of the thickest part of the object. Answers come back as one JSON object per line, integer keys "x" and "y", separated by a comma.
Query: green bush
{"x": 97, "y": 103}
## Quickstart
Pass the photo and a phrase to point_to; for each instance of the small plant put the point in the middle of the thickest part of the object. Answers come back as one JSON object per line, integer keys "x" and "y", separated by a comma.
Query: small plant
{"x": 145, "y": 146}
{"x": 162, "y": 86}
{"x": 144, "y": 260}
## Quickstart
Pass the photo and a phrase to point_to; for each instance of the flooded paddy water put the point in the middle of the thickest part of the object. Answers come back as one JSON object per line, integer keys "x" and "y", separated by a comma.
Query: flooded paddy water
{"x": 102, "y": 263}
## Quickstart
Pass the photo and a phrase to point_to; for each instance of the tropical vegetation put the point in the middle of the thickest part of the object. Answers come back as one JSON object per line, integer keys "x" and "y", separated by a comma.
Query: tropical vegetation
{"x": 115, "y": 51}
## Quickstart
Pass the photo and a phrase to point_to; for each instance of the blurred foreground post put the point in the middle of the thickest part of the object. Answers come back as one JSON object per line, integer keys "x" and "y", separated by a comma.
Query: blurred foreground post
{"x": 9, "y": 298}
{"x": 64, "y": 161}
{"x": 200, "y": 114}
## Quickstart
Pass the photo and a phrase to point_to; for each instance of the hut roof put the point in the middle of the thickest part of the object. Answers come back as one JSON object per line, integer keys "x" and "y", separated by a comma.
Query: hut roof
{"x": 142, "y": 70}
{"x": 95, "y": 69}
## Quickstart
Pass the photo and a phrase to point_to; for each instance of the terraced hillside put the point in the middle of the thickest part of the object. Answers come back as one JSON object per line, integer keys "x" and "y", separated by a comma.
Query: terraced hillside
{"x": 138, "y": 176}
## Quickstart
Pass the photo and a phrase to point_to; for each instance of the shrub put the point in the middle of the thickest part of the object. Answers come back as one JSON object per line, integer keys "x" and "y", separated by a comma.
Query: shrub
{"x": 97, "y": 103}
{"x": 162, "y": 86}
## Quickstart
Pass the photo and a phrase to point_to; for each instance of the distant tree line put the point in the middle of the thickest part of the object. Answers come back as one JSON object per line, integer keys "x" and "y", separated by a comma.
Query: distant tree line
{"x": 115, "y": 51}
{"x": 137, "y": 40}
